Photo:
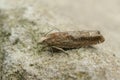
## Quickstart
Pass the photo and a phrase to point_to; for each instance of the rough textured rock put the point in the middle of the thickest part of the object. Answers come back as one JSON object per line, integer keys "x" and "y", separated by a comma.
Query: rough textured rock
{"x": 23, "y": 23}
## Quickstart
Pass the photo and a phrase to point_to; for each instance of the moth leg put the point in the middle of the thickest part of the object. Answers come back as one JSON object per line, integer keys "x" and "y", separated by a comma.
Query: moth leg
{"x": 43, "y": 48}
{"x": 60, "y": 49}
{"x": 51, "y": 51}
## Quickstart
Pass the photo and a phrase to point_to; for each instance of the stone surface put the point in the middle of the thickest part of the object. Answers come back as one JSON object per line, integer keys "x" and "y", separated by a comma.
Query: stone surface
{"x": 24, "y": 22}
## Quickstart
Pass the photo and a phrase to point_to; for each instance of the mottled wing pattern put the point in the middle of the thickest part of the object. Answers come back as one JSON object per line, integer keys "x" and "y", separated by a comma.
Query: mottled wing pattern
{"x": 73, "y": 39}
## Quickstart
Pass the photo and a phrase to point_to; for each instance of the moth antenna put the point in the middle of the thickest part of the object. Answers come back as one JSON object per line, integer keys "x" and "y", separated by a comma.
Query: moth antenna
{"x": 45, "y": 34}
{"x": 51, "y": 31}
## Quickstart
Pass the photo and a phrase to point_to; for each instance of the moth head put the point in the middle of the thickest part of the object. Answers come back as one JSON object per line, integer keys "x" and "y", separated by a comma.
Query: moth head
{"x": 42, "y": 40}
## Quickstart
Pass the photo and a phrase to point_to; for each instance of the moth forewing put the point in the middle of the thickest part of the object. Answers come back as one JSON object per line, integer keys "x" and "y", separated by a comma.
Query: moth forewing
{"x": 72, "y": 39}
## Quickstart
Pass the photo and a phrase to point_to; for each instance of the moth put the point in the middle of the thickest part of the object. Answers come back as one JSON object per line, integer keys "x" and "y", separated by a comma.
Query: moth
{"x": 72, "y": 39}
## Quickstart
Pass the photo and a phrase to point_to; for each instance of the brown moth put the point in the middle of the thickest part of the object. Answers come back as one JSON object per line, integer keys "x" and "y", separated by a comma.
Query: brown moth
{"x": 72, "y": 39}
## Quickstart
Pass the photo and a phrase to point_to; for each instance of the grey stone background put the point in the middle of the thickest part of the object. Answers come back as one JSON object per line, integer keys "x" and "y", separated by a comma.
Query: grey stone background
{"x": 22, "y": 23}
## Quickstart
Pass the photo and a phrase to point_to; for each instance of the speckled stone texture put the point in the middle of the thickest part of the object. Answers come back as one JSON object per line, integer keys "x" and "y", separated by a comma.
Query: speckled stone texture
{"x": 24, "y": 22}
